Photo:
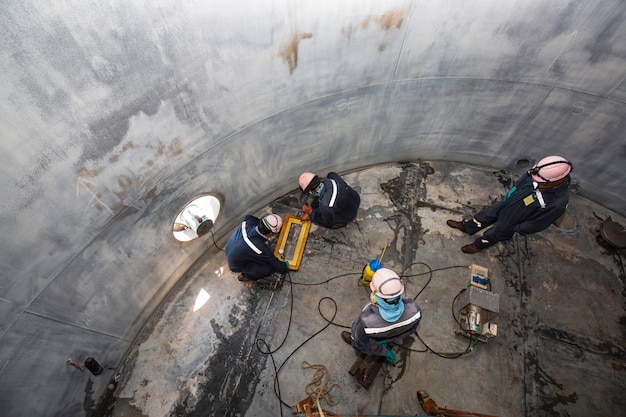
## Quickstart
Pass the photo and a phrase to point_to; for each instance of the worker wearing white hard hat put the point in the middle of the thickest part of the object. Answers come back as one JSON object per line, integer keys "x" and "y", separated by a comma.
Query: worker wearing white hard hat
{"x": 536, "y": 201}
{"x": 334, "y": 204}
{"x": 247, "y": 249}
{"x": 386, "y": 318}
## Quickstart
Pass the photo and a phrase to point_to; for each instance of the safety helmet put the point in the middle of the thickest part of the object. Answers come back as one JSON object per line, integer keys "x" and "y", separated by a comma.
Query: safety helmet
{"x": 305, "y": 179}
{"x": 273, "y": 222}
{"x": 551, "y": 168}
{"x": 386, "y": 283}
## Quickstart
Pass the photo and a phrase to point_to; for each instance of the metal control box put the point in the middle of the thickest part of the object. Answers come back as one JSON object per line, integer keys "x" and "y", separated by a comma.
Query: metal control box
{"x": 476, "y": 308}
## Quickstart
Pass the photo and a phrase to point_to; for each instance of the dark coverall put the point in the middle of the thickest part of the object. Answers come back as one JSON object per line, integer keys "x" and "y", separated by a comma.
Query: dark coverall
{"x": 337, "y": 204}
{"x": 525, "y": 209}
{"x": 369, "y": 327}
{"x": 247, "y": 252}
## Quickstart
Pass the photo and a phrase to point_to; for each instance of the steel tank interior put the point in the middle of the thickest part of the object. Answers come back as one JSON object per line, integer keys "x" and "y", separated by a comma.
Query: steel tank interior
{"x": 115, "y": 114}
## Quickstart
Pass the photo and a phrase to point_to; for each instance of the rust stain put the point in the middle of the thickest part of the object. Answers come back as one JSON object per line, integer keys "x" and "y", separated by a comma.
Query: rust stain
{"x": 125, "y": 182}
{"x": 289, "y": 52}
{"x": 88, "y": 173}
{"x": 176, "y": 147}
{"x": 151, "y": 193}
{"x": 347, "y": 32}
{"x": 618, "y": 366}
{"x": 127, "y": 146}
{"x": 391, "y": 20}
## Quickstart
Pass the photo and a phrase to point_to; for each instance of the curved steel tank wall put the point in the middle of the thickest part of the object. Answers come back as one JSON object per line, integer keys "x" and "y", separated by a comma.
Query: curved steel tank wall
{"x": 114, "y": 115}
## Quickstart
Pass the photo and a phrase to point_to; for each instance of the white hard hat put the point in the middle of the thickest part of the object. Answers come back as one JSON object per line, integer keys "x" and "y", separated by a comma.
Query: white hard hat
{"x": 273, "y": 222}
{"x": 386, "y": 283}
{"x": 305, "y": 179}
{"x": 551, "y": 168}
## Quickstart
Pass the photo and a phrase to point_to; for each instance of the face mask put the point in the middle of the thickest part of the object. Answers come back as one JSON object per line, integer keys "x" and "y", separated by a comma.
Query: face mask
{"x": 317, "y": 190}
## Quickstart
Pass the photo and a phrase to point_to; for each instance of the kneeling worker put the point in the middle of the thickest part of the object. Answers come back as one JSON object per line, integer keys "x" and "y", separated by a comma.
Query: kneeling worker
{"x": 388, "y": 317}
{"x": 335, "y": 203}
{"x": 248, "y": 252}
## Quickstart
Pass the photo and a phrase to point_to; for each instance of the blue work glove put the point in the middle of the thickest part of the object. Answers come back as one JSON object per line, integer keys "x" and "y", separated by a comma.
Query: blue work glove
{"x": 287, "y": 263}
{"x": 390, "y": 356}
{"x": 383, "y": 343}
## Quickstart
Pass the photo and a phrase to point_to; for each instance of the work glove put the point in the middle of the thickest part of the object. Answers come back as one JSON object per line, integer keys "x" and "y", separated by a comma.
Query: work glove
{"x": 383, "y": 343}
{"x": 390, "y": 356}
{"x": 287, "y": 263}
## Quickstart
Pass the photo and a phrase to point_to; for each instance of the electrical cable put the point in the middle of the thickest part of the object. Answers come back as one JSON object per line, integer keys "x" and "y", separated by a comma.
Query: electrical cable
{"x": 328, "y": 280}
{"x": 265, "y": 349}
{"x": 214, "y": 243}
{"x": 450, "y": 355}
{"x": 269, "y": 351}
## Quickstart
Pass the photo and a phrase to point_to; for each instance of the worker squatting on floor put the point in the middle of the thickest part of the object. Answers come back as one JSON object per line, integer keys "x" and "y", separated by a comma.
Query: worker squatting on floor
{"x": 386, "y": 318}
{"x": 247, "y": 249}
{"x": 334, "y": 204}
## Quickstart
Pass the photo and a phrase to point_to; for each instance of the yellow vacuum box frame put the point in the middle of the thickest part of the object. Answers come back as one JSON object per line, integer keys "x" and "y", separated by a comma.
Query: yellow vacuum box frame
{"x": 279, "y": 250}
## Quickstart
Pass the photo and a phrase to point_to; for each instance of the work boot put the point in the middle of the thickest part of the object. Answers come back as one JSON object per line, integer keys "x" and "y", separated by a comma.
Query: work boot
{"x": 346, "y": 337}
{"x": 471, "y": 248}
{"x": 456, "y": 225}
{"x": 242, "y": 278}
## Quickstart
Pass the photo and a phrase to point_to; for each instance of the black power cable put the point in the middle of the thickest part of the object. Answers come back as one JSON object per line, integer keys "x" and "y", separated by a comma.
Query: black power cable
{"x": 265, "y": 349}
{"x": 214, "y": 243}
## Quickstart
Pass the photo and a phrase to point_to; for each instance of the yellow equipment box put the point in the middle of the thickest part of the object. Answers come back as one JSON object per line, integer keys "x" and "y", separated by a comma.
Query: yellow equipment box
{"x": 285, "y": 249}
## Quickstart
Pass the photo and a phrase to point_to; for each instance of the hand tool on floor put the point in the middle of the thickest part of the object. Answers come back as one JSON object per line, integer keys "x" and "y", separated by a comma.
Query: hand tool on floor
{"x": 76, "y": 365}
{"x": 432, "y": 409}
{"x": 308, "y": 408}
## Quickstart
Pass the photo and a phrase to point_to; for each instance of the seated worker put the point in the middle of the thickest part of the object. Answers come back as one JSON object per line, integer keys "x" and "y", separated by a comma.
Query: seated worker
{"x": 334, "y": 204}
{"x": 248, "y": 252}
{"x": 388, "y": 317}
{"x": 536, "y": 201}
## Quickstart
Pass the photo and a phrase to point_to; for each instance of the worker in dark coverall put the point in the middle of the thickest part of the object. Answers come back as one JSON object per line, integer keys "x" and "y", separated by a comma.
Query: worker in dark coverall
{"x": 248, "y": 252}
{"x": 536, "y": 200}
{"x": 335, "y": 203}
{"x": 386, "y": 318}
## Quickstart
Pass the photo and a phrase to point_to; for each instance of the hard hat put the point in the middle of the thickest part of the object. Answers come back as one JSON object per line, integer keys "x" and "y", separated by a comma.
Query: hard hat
{"x": 551, "y": 168}
{"x": 386, "y": 283}
{"x": 273, "y": 222}
{"x": 305, "y": 179}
